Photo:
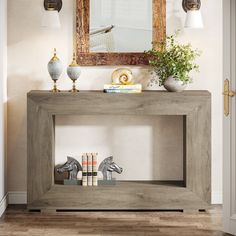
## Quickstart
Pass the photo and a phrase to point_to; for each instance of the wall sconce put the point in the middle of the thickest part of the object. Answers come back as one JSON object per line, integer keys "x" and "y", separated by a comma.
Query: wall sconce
{"x": 194, "y": 16}
{"x": 51, "y": 17}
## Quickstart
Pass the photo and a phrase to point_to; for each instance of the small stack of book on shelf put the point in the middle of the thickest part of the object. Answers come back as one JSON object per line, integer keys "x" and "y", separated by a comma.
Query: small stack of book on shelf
{"x": 121, "y": 88}
{"x": 84, "y": 170}
{"x": 95, "y": 169}
{"x": 89, "y": 166}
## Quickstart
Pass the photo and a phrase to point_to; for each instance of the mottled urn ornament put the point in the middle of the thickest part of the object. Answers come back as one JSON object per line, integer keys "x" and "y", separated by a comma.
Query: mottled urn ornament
{"x": 74, "y": 72}
{"x": 55, "y": 69}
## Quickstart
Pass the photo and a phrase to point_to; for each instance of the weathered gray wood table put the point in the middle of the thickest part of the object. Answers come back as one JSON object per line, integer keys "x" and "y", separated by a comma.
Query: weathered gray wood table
{"x": 192, "y": 194}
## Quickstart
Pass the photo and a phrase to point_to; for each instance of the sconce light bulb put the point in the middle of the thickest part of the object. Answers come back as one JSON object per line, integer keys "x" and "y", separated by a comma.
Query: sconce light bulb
{"x": 194, "y": 6}
{"x": 50, "y": 9}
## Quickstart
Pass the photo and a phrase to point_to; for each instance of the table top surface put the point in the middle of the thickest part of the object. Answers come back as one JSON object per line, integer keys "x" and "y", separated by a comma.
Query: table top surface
{"x": 144, "y": 92}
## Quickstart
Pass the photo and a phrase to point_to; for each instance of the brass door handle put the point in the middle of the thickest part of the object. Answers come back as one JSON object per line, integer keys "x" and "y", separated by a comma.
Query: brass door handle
{"x": 227, "y": 94}
{"x": 231, "y": 94}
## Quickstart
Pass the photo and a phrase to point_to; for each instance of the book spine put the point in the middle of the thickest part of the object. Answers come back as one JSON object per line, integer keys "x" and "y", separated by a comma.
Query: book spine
{"x": 85, "y": 170}
{"x": 95, "y": 170}
{"x": 122, "y": 91}
{"x": 90, "y": 169}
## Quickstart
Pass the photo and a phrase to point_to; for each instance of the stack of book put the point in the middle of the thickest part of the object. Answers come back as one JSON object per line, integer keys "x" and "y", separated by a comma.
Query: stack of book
{"x": 89, "y": 166}
{"x": 121, "y": 88}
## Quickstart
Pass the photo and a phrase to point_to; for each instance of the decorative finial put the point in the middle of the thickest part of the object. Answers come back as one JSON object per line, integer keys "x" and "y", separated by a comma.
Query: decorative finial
{"x": 74, "y": 62}
{"x": 55, "y": 58}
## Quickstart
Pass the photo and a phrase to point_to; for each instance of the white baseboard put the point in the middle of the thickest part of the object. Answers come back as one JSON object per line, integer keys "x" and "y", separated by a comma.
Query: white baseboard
{"x": 3, "y": 204}
{"x": 217, "y": 198}
{"x": 17, "y": 198}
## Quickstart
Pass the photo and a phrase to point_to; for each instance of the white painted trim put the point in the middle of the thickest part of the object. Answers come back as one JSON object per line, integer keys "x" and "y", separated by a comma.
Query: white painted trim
{"x": 17, "y": 198}
{"x": 217, "y": 198}
{"x": 3, "y": 204}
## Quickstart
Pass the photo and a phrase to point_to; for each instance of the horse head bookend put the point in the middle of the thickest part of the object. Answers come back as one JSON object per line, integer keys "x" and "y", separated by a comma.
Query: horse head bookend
{"x": 72, "y": 166}
{"x": 107, "y": 167}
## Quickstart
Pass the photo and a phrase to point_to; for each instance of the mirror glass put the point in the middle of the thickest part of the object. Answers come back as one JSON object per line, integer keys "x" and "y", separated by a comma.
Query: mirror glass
{"x": 120, "y": 25}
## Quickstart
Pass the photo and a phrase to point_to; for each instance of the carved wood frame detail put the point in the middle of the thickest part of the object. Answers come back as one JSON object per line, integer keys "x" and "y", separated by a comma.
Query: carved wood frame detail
{"x": 87, "y": 58}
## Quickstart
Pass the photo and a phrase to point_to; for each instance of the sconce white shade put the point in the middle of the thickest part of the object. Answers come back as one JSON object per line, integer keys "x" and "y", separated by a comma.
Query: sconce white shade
{"x": 51, "y": 19}
{"x": 194, "y": 19}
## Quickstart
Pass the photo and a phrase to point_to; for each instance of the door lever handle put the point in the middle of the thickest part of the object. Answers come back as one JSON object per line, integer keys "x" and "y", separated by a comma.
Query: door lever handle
{"x": 227, "y": 94}
{"x": 231, "y": 94}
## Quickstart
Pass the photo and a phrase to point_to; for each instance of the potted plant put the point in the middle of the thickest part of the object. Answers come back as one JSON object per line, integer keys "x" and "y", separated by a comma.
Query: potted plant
{"x": 172, "y": 62}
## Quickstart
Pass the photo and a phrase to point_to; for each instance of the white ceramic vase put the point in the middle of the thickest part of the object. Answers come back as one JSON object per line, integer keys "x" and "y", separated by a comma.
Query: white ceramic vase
{"x": 55, "y": 67}
{"x": 74, "y": 72}
{"x": 172, "y": 84}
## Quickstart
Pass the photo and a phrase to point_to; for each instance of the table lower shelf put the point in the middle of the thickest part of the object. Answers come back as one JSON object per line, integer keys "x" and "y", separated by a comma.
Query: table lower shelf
{"x": 125, "y": 195}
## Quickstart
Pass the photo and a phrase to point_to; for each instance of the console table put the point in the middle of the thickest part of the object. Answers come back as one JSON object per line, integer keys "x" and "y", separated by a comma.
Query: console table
{"x": 193, "y": 193}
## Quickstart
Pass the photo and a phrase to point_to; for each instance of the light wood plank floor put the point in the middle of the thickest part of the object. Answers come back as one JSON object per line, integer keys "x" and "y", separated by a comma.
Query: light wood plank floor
{"x": 18, "y": 221}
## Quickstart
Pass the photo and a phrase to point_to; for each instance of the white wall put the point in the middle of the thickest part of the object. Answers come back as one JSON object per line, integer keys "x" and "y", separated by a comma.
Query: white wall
{"x": 147, "y": 147}
{"x": 30, "y": 48}
{"x": 3, "y": 76}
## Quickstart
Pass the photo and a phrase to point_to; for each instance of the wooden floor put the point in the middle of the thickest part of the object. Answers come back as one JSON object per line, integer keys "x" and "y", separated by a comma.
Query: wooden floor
{"x": 18, "y": 221}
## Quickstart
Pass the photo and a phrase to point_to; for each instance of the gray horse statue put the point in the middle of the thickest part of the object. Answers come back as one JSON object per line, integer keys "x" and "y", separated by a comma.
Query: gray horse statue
{"x": 107, "y": 167}
{"x": 72, "y": 166}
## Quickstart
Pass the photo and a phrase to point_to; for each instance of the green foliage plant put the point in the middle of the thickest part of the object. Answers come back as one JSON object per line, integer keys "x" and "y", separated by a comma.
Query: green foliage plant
{"x": 173, "y": 59}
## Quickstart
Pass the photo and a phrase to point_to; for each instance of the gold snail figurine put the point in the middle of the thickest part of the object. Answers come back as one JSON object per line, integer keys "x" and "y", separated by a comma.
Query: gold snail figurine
{"x": 122, "y": 76}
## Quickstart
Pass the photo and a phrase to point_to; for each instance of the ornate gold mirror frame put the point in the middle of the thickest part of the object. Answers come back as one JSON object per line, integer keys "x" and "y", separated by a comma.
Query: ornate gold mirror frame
{"x": 86, "y": 58}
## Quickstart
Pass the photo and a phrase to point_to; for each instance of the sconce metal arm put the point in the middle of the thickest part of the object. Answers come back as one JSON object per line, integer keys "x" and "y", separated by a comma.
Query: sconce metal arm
{"x": 55, "y": 4}
{"x": 191, "y": 5}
